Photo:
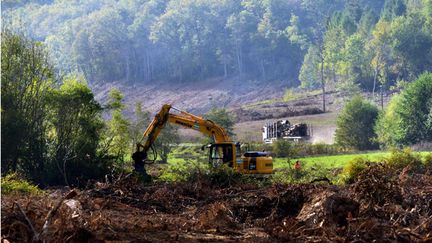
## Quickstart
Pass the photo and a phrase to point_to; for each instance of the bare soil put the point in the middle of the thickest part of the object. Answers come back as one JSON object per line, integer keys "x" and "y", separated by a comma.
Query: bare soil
{"x": 196, "y": 97}
{"x": 382, "y": 205}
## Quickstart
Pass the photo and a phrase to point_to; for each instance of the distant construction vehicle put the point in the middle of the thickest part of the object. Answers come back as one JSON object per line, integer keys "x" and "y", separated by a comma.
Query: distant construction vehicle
{"x": 283, "y": 129}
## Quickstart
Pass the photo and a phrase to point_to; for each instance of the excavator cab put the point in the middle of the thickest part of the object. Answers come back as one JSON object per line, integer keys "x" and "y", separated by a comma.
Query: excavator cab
{"x": 247, "y": 163}
{"x": 224, "y": 153}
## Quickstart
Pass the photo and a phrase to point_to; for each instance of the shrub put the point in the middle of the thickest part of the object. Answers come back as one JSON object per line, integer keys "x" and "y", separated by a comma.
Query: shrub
{"x": 283, "y": 148}
{"x": 408, "y": 118}
{"x": 399, "y": 159}
{"x": 288, "y": 175}
{"x": 355, "y": 125}
{"x": 176, "y": 171}
{"x": 223, "y": 118}
{"x": 289, "y": 95}
{"x": 427, "y": 161}
{"x": 353, "y": 168}
{"x": 12, "y": 183}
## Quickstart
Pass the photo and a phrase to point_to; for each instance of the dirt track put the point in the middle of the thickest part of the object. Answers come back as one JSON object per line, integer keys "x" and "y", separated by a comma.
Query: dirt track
{"x": 382, "y": 205}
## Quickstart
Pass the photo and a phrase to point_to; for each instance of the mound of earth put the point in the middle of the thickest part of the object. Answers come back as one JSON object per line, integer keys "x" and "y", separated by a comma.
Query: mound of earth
{"x": 382, "y": 205}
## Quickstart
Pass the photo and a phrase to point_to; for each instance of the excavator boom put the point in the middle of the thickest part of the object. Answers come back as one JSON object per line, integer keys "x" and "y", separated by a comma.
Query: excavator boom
{"x": 184, "y": 119}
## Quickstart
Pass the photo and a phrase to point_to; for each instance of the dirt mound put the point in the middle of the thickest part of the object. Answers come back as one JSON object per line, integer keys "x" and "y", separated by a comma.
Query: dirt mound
{"x": 378, "y": 206}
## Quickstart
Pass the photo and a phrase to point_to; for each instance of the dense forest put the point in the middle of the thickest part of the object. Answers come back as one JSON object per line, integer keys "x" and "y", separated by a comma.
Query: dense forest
{"x": 371, "y": 44}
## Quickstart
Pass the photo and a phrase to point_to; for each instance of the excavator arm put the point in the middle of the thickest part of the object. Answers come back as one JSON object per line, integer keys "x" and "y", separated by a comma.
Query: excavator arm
{"x": 182, "y": 118}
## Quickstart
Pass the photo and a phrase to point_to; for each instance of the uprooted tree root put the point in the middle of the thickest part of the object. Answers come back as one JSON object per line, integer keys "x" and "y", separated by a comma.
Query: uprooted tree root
{"x": 382, "y": 205}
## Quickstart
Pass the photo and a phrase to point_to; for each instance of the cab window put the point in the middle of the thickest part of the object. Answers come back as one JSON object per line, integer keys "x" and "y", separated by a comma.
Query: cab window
{"x": 221, "y": 153}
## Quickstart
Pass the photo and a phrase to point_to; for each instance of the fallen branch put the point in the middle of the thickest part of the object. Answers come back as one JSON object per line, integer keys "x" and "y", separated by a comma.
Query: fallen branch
{"x": 54, "y": 210}
{"x": 35, "y": 234}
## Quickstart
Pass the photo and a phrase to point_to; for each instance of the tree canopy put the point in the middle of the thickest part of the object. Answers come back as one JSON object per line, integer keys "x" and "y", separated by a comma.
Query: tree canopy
{"x": 353, "y": 43}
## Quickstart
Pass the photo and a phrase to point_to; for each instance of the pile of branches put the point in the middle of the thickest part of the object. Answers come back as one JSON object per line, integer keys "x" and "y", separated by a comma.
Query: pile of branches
{"x": 383, "y": 204}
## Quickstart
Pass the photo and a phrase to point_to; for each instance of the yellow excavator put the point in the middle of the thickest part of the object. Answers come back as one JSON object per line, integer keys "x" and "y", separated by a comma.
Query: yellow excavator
{"x": 222, "y": 151}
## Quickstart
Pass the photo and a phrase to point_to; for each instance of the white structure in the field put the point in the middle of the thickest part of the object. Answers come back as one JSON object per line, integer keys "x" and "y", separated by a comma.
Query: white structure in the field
{"x": 283, "y": 129}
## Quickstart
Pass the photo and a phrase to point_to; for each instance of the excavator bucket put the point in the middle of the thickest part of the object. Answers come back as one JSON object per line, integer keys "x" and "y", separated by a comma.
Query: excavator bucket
{"x": 139, "y": 158}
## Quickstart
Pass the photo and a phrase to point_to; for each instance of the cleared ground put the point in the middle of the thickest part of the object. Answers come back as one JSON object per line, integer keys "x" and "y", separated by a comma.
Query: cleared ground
{"x": 383, "y": 205}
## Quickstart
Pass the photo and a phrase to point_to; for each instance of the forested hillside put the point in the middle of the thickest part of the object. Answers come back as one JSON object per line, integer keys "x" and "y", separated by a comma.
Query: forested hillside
{"x": 312, "y": 43}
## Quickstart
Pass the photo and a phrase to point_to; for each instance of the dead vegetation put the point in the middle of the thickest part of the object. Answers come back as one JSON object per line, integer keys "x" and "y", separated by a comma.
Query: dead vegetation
{"x": 382, "y": 204}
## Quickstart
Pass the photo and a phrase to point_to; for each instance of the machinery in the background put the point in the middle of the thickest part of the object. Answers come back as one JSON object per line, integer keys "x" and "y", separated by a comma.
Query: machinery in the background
{"x": 222, "y": 151}
{"x": 283, "y": 129}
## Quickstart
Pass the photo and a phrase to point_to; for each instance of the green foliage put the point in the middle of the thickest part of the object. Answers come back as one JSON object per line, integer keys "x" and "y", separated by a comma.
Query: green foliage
{"x": 75, "y": 128}
{"x": 12, "y": 184}
{"x": 306, "y": 149}
{"x": 400, "y": 159}
{"x": 309, "y": 72}
{"x": 50, "y": 134}
{"x": 154, "y": 40}
{"x": 407, "y": 119}
{"x": 427, "y": 161}
{"x": 283, "y": 148}
{"x": 415, "y": 55}
{"x": 138, "y": 124}
{"x": 288, "y": 175}
{"x": 289, "y": 95}
{"x": 26, "y": 80}
{"x": 183, "y": 170}
{"x": 355, "y": 125}
{"x": 392, "y": 9}
{"x": 167, "y": 138}
{"x": 118, "y": 133}
{"x": 143, "y": 41}
{"x": 353, "y": 168}
{"x": 222, "y": 118}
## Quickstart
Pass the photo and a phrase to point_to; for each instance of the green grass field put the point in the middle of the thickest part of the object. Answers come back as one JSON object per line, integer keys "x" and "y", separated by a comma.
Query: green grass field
{"x": 333, "y": 161}
{"x": 325, "y": 161}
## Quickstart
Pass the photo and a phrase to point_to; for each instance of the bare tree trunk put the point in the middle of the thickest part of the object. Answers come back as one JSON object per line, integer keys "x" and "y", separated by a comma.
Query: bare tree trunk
{"x": 127, "y": 60}
{"x": 374, "y": 82}
{"x": 263, "y": 70}
{"x": 323, "y": 84}
{"x": 148, "y": 66}
{"x": 225, "y": 70}
{"x": 239, "y": 59}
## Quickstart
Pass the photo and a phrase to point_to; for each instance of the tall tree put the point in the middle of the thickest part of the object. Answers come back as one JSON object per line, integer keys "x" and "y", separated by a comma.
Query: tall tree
{"x": 75, "y": 124}
{"x": 27, "y": 77}
{"x": 118, "y": 128}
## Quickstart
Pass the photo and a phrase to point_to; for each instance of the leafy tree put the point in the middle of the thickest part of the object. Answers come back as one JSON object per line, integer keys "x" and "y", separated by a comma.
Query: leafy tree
{"x": 75, "y": 127}
{"x": 393, "y": 9}
{"x": 118, "y": 128}
{"x": 382, "y": 58}
{"x": 412, "y": 42}
{"x": 138, "y": 125}
{"x": 27, "y": 77}
{"x": 141, "y": 41}
{"x": 354, "y": 62}
{"x": 408, "y": 118}
{"x": 309, "y": 72}
{"x": 320, "y": 11}
{"x": 167, "y": 139}
{"x": 355, "y": 125}
{"x": 222, "y": 118}
{"x": 283, "y": 148}
{"x": 388, "y": 129}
